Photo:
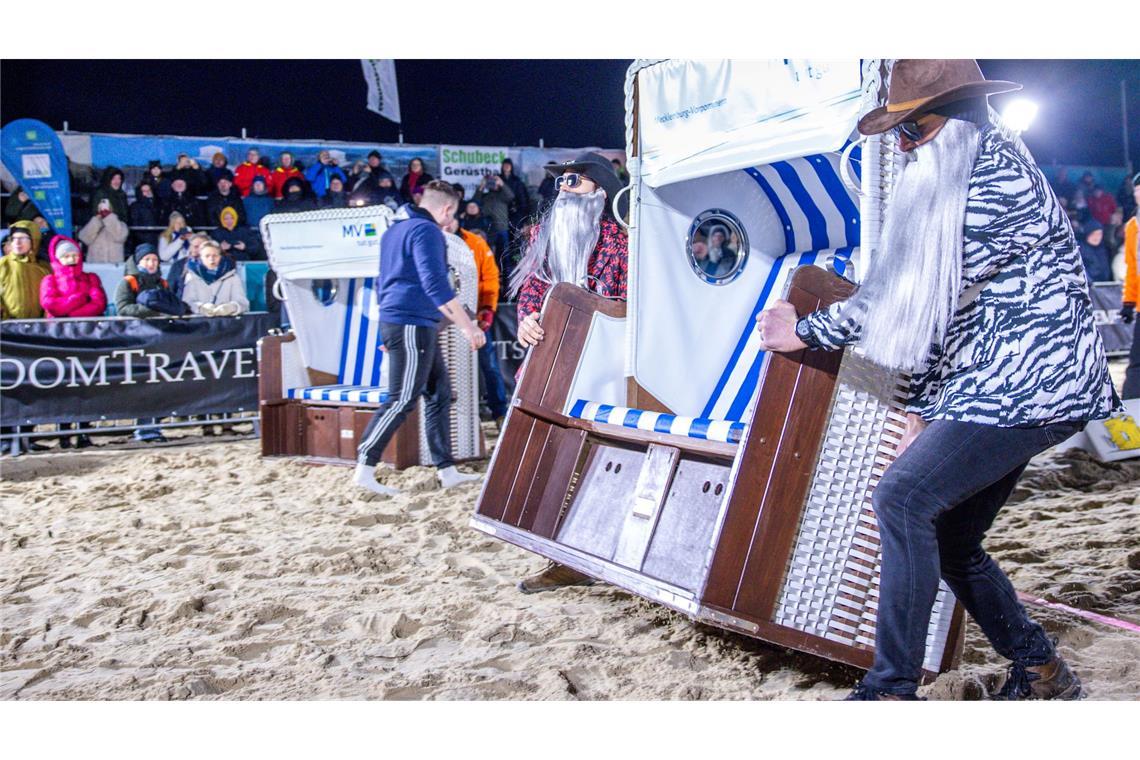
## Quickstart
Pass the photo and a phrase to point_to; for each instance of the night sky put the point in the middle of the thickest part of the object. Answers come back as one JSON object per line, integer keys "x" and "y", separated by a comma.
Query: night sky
{"x": 481, "y": 102}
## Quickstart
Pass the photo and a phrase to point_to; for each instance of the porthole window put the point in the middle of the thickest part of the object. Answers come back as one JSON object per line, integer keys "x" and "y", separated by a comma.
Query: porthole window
{"x": 717, "y": 246}
{"x": 324, "y": 291}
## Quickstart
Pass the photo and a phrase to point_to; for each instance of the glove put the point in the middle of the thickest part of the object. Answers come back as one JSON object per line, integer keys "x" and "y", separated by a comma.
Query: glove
{"x": 230, "y": 309}
{"x": 1128, "y": 313}
{"x": 208, "y": 310}
{"x": 485, "y": 318}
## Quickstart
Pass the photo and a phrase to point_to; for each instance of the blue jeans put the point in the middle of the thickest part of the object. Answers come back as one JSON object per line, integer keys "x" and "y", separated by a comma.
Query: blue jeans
{"x": 934, "y": 506}
{"x": 493, "y": 378}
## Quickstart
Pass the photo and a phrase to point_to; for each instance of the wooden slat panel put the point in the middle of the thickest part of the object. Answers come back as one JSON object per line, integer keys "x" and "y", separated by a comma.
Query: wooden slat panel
{"x": 556, "y": 469}
{"x": 502, "y": 475}
{"x": 566, "y": 362}
{"x": 321, "y": 431}
{"x": 777, "y": 464}
{"x": 540, "y": 361}
{"x": 526, "y": 467}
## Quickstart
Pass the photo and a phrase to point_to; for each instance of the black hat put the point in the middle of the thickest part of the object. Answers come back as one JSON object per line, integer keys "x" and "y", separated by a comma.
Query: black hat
{"x": 375, "y": 153}
{"x": 600, "y": 170}
{"x": 224, "y": 174}
{"x": 258, "y": 178}
{"x": 151, "y": 164}
{"x": 143, "y": 249}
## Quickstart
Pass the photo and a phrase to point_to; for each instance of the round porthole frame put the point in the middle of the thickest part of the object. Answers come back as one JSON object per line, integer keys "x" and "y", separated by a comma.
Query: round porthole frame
{"x": 728, "y": 219}
{"x": 317, "y": 285}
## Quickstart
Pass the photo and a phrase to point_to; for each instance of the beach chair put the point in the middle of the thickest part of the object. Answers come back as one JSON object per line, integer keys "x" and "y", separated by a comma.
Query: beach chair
{"x": 320, "y": 384}
{"x": 651, "y": 443}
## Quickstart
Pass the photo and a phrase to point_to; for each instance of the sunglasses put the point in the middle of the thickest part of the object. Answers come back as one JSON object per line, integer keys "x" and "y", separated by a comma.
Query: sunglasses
{"x": 911, "y": 130}
{"x": 569, "y": 180}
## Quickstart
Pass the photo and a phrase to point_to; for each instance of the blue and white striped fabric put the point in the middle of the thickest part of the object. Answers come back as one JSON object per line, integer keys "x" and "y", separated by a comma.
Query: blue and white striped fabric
{"x": 357, "y": 394}
{"x": 821, "y": 226}
{"x": 693, "y": 427}
{"x": 360, "y": 356}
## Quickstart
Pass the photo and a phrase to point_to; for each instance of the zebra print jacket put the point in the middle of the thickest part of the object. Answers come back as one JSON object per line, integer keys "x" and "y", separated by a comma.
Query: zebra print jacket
{"x": 1022, "y": 348}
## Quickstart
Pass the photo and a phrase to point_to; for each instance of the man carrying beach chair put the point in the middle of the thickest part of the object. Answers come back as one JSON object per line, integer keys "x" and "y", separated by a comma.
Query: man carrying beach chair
{"x": 978, "y": 258}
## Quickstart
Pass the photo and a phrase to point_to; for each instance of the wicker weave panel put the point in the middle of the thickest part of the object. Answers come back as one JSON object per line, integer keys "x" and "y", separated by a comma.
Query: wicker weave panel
{"x": 462, "y": 363}
{"x": 831, "y": 588}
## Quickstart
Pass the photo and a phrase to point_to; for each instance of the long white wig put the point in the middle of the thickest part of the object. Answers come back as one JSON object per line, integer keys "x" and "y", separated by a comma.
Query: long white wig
{"x": 566, "y": 238}
{"x": 911, "y": 290}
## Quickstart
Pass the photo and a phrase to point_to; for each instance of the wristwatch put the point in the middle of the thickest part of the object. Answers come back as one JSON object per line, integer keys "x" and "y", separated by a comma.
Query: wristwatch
{"x": 805, "y": 333}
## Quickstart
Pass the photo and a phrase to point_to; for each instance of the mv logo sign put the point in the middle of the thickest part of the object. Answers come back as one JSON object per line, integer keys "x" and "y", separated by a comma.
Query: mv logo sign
{"x": 366, "y": 230}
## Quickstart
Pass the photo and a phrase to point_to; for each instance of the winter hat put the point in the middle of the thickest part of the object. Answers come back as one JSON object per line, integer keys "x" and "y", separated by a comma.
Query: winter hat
{"x": 151, "y": 164}
{"x": 257, "y": 179}
{"x": 143, "y": 249}
{"x": 375, "y": 153}
{"x": 225, "y": 174}
{"x": 64, "y": 245}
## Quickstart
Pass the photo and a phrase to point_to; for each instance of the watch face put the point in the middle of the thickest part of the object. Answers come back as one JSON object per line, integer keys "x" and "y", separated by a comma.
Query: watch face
{"x": 803, "y": 331}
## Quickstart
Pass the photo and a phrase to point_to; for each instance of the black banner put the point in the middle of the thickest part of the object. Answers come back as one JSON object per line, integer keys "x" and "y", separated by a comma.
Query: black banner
{"x": 78, "y": 370}
{"x": 504, "y": 332}
{"x": 1107, "y": 298}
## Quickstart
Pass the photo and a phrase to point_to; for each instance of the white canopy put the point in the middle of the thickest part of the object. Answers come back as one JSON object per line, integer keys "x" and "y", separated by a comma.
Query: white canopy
{"x": 698, "y": 118}
{"x": 326, "y": 244}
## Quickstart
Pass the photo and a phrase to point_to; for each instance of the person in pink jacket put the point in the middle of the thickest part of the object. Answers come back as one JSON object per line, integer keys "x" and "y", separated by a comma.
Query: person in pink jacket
{"x": 69, "y": 291}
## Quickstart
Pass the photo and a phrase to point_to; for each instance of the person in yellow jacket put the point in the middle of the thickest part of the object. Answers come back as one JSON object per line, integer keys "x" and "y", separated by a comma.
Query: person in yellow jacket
{"x": 1131, "y": 292}
{"x": 21, "y": 273}
{"x": 488, "y": 301}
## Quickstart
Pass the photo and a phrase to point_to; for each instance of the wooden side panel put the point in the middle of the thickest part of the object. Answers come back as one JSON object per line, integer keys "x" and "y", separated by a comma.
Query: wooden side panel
{"x": 322, "y": 430}
{"x": 501, "y": 477}
{"x": 269, "y": 386}
{"x": 525, "y": 469}
{"x": 556, "y": 468}
{"x": 776, "y": 466}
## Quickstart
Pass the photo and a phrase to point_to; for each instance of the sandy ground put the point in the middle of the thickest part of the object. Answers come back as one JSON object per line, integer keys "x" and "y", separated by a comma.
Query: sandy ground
{"x": 203, "y": 571}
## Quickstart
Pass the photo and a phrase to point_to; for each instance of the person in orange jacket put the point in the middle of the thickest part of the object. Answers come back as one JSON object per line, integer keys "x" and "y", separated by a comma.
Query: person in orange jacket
{"x": 244, "y": 174}
{"x": 1131, "y": 292}
{"x": 284, "y": 172}
{"x": 488, "y": 301}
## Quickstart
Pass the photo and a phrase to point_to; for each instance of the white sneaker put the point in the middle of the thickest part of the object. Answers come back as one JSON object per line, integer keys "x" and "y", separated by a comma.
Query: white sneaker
{"x": 449, "y": 477}
{"x": 365, "y": 477}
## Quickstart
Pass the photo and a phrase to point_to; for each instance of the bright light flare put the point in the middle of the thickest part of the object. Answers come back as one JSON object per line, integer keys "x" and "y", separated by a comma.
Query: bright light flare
{"x": 1019, "y": 114}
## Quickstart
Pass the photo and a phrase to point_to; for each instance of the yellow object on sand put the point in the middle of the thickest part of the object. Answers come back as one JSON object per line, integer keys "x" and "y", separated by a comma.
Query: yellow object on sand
{"x": 1124, "y": 432}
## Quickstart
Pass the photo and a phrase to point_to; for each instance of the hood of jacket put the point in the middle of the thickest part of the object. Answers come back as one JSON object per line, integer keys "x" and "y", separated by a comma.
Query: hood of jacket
{"x": 34, "y": 231}
{"x": 58, "y": 267}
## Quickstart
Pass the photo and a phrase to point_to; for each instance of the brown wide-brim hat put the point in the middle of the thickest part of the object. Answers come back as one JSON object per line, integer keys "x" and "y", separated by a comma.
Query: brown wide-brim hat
{"x": 919, "y": 85}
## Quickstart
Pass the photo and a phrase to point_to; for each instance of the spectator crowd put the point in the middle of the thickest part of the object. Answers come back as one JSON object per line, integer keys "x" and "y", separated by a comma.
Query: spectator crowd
{"x": 1098, "y": 217}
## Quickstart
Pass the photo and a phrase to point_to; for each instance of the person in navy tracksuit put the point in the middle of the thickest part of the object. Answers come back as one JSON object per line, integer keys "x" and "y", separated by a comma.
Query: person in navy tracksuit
{"x": 414, "y": 291}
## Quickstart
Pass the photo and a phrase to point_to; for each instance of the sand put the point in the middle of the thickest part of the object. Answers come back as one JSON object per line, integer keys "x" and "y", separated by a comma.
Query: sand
{"x": 202, "y": 571}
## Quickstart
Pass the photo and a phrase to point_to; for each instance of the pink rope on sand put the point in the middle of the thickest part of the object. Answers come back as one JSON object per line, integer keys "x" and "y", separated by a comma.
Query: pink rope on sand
{"x": 1125, "y": 624}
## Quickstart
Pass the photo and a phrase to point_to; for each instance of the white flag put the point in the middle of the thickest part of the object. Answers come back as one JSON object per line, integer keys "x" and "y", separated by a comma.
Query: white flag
{"x": 380, "y": 73}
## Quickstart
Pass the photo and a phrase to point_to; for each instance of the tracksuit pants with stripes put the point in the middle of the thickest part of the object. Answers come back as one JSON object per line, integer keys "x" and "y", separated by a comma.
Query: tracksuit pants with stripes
{"x": 415, "y": 369}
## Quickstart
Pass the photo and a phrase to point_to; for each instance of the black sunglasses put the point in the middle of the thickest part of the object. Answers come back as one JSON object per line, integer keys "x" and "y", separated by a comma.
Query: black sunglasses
{"x": 570, "y": 180}
{"x": 911, "y": 130}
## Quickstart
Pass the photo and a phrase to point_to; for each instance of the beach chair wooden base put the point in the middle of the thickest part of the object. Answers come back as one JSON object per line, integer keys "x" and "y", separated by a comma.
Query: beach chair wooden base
{"x": 323, "y": 431}
{"x": 714, "y": 530}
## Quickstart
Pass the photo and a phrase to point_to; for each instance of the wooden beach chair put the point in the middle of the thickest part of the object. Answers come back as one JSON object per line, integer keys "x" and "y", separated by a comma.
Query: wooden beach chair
{"x": 653, "y": 445}
{"x": 320, "y": 383}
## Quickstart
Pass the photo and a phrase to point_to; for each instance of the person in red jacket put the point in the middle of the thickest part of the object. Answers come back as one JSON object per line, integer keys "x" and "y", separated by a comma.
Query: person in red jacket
{"x": 284, "y": 172}
{"x": 69, "y": 291}
{"x": 243, "y": 176}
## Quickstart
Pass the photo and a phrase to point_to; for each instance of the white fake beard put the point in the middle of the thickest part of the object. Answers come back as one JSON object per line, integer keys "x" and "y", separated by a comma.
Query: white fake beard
{"x": 566, "y": 239}
{"x": 911, "y": 291}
